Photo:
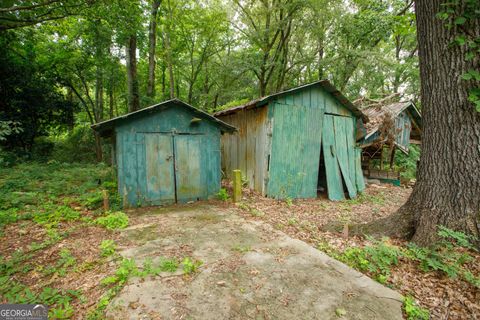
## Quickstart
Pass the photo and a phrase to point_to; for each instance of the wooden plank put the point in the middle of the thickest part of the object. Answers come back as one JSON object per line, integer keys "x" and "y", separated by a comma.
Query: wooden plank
{"x": 120, "y": 174}
{"x": 294, "y": 159}
{"x": 334, "y": 179}
{"x": 159, "y": 166}
{"x": 350, "y": 136}
{"x": 130, "y": 169}
{"x": 340, "y": 125}
{"x": 141, "y": 168}
{"x": 250, "y": 150}
{"x": 359, "y": 180}
{"x": 188, "y": 168}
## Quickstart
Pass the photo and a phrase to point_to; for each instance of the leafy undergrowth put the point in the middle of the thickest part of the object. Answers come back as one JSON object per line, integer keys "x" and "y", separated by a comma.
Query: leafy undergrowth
{"x": 59, "y": 247}
{"x": 438, "y": 281}
{"x": 56, "y": 242}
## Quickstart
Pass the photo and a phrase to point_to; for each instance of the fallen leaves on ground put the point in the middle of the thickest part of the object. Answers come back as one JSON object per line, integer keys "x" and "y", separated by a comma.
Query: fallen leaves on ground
{"x": 307, "y": 219}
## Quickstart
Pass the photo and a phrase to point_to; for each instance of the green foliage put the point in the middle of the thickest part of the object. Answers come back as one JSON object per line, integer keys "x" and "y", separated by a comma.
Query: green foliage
{"x": 223, "y": 194}
{"x": 407, "y": 164}
{"x": 168, "y": 265}
{"x": 52, "y": 214}
{"x": 74, "y": 146}
{"x": 30, "y": 96}
{"x": 35, "y": 184}
{"x": 463, "y": 16}
{"x": 230, "y": 104}
{"x": 377, "y": 258}
{"x": 377, "y": 199}
{"x": 413, "y": 311}
{"x": 8, "y": 216}
{"x": 460, "y": 238}
{"x": 289, "y": 201}
{"x": 126, "y": 269}
{"x": 190, "y": 266}
{"x": 92, "y": 200}
{"x": 107, "y": 247}
{"x": 292, "y": 221}
{"x": 241, "y": 249}
{"x": 113, "y": 221}
{"x": 446, "y": 256}
{"x": 59, "y": 301}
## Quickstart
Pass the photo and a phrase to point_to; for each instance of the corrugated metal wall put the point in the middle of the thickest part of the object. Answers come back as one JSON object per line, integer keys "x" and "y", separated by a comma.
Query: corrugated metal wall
{"x": 247, "y": 149}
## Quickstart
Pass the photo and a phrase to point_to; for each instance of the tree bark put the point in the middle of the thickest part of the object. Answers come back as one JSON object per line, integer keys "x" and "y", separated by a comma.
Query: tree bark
{"x": 448, "y": 186}
{"x": 152, "y": 38}
{"x": 170, "y": 66}
{"x": 132, "y": 81}
{"x": 99, "y": 94}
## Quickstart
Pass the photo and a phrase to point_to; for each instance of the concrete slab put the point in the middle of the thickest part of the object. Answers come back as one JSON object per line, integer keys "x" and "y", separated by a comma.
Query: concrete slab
{"x": 249, "y": 271}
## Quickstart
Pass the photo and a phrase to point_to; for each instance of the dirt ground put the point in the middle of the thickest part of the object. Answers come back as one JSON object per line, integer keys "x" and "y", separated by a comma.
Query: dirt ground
{"x": 309, "y": 220}
{"x": 249, "y": 271}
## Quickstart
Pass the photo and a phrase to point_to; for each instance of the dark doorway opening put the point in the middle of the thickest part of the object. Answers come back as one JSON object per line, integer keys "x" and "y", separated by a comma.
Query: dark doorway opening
{"x": 322, "y": 187}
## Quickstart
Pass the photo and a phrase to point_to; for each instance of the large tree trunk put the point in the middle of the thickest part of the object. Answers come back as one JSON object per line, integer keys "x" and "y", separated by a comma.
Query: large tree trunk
{"x": 447, "y": 192}
{"x": 152, "y": 38}
{"x": 132, "y": 81}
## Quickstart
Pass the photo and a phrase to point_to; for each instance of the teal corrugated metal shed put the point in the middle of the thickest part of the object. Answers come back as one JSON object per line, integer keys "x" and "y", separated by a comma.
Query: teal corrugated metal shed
{"x": 166, "y": 153}
{"x": 296, "y": 142}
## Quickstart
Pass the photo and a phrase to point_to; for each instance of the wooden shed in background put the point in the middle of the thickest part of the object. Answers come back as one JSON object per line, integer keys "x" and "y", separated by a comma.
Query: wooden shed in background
{"x": 296, "y": 143}
{"x": 392, "y": 126}
{"x": 166, "y": 153}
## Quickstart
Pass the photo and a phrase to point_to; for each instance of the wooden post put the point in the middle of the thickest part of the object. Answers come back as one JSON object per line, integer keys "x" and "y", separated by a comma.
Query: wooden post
{"x": 237, "y": 185}
{"x": 106, "y": 203}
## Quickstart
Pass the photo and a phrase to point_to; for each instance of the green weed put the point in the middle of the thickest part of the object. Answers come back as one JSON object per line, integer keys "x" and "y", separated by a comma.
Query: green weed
{"x": 289, "y": 201}
{"x": 223, "y": 194}
{"x": 92, "y": 200}
{"x": 168, "y": 265}
{"x": 107, "y": 248}
{"x": 241, "y": 249}
{"x": 191, "y": 266}
{"x": 377, "y": 258}
{"x": 413, "y": 311}
{"x": 292, "y": 221}
{"x": 446, "y": 256}
{"x": 113, "y": 221}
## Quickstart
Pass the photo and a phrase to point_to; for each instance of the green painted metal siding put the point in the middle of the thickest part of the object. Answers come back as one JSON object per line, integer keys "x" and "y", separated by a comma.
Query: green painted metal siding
{"x": 163, "y": 157}
{"x": 302, "y": 122}
{"x": 294, "y": 159}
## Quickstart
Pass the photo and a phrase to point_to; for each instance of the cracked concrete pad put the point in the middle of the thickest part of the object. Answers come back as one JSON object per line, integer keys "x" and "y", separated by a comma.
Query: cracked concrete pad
{"x": 249, "y": 271}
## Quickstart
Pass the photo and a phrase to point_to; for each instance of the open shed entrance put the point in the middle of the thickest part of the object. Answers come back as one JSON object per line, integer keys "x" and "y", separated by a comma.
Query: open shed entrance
{"x": 168, "y": 166}
{"x": 337, "y": 173}
{"x": 322, "y": 185}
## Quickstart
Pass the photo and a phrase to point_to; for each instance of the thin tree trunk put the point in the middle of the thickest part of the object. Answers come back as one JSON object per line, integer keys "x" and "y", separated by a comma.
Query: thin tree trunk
{"x": 170, "y": 66}
{"x": 448, "y": 186}
{"x": 111, "y": 98}
{"x": 164, "y": 92}
{"x": 152, "y": 37}
{"x": 99, "y": 95}
{"x": 98, "y": 147}
{"x": 132, "y": 81}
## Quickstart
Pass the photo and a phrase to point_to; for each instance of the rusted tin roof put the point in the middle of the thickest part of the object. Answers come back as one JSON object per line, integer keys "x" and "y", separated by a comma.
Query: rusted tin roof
{"x": 324, "y": 84}
{"x": 377, "y": 113}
